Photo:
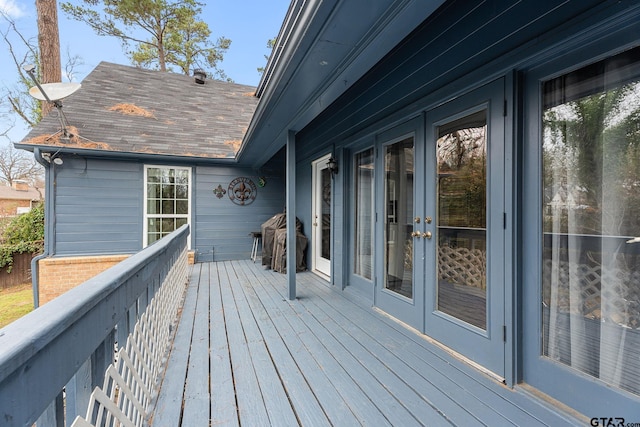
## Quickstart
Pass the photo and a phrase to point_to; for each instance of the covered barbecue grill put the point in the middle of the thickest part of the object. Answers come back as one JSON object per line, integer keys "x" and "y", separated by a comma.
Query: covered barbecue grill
{"x": 270, "y": 244}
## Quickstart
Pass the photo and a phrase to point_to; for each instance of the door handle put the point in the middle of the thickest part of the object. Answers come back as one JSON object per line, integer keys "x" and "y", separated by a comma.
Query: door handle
{"x": 416, "y": 234}
{"x": 427, "y": 235}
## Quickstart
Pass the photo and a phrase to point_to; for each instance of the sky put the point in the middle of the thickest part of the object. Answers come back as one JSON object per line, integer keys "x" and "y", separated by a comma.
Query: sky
{"x": 248, "y": 23}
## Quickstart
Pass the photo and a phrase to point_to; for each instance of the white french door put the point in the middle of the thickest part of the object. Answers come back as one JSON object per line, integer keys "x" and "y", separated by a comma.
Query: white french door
{"x": 322, "y": 217}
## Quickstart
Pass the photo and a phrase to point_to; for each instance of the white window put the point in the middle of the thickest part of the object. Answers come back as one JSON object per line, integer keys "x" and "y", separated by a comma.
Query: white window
{"x": 167, "y": 201}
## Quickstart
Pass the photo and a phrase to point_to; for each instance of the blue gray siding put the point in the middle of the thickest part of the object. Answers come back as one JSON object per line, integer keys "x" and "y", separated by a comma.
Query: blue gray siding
{"x": 221, "y": 227}
{"x": 98, "y": 207}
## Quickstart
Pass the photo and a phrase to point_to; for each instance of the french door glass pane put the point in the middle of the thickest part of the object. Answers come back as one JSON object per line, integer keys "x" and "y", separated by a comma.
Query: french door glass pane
{"x": 325, "y": 177}
{"x": 462, "y": 220}
{"x": 591, "y": 226}
{"x": 398, "y": 205}
{"x": 363, "y": 195}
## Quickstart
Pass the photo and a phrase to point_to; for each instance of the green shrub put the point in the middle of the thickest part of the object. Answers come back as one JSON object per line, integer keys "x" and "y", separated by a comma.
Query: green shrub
{"x": 24, "y": 233}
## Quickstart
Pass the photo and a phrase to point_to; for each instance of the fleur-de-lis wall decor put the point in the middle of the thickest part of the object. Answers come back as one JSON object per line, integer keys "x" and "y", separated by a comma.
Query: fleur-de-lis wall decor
{"x": 242, "y": 191}
{"x": 219, "y": 191}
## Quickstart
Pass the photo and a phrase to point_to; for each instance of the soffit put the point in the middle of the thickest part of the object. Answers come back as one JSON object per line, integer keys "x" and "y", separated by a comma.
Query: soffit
{"x": 318, "y": 57}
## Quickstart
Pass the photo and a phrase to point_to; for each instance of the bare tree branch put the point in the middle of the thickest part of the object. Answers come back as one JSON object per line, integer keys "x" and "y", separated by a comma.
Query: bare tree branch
{"x": 18, "y": 165}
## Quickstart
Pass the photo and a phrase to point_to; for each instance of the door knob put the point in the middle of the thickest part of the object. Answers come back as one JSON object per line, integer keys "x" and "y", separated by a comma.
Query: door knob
{"x": 428, "y": 220}
{"x": 426, "y": 235}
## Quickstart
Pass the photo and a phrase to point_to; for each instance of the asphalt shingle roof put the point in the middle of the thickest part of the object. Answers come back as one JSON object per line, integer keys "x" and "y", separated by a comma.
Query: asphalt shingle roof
{"x": 127, "y": 109}
{"x": 9, "y": 193}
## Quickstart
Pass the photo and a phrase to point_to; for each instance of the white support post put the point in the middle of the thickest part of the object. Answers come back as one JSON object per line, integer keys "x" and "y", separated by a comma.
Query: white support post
{"x": 291, "y": 214}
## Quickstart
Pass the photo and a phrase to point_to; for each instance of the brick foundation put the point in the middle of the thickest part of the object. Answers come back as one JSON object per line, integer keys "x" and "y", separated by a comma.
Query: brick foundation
{"x": 58, "y": 275}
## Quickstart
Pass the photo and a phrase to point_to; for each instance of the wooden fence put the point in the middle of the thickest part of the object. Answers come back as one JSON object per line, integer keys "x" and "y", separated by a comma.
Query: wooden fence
{"x": 20, "y": 272}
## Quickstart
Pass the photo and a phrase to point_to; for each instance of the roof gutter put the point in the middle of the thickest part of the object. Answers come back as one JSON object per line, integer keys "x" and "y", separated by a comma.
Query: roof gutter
{"x": 147, "y": 157}
{"x": 49, "y": 229}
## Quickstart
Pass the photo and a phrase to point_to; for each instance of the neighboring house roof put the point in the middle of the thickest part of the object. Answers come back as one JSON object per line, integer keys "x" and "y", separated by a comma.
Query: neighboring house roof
{"x": 28, "y": 193}
{"x": 130, "y": 110}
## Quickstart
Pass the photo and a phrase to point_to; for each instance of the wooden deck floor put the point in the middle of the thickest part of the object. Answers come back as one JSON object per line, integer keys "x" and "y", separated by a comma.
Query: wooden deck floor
{"x": 245, "y": 355}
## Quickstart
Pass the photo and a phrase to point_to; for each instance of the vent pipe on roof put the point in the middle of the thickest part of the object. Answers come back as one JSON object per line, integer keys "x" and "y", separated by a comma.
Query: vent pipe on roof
{"x": 199, "y": 75}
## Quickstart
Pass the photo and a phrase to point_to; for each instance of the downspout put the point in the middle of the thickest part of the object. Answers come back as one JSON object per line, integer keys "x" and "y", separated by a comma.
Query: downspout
{"x": 49, "y": 220}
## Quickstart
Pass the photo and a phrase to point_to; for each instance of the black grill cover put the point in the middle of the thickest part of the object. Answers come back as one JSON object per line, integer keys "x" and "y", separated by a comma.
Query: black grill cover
{"x": 268, "y": 228}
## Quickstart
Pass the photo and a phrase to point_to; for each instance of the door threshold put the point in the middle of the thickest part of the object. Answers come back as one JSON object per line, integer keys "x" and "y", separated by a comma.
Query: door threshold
{"x": 464, "y": 359}
{"x": 322, "y": 275}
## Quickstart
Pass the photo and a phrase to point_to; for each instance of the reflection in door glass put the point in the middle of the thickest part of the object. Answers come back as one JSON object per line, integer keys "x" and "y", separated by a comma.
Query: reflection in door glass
{"x": 325, "y": 177}
{"x": 461, "y": 220}
{"x": 591, "y": 226}
{"x": 398, "y": 205}
{"x": 363, "y": 195}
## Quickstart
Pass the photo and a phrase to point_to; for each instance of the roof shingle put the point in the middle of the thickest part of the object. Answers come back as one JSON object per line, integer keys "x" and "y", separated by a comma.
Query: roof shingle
{"x": 127, "y": 109}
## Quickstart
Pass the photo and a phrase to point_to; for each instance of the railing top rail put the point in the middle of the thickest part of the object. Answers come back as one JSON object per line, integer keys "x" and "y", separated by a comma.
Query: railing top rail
{"x": 42, "y": 350}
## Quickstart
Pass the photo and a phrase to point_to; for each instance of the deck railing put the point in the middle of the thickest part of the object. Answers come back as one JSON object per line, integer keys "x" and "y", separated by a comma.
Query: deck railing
{"x": 52, "y": 359}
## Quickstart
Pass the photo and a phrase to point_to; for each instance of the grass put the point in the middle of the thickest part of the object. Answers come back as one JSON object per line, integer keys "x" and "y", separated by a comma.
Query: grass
{"x": 15, "y": 303}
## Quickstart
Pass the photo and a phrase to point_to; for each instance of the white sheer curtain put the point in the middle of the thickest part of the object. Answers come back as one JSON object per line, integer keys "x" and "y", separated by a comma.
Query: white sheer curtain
{"x": 591, "y": 253}
{"x": 363, "y": 257}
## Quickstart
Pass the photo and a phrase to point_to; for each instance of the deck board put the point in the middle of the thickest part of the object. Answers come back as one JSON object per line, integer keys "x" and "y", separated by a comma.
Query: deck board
{"x": 425, "y": 376}
{"x": 251, "y": 407}
{"x": 307, "y": 407}
{"x": 196, "y": 395}
{"x": 223, "y": 397}
{"x": 275, "y": 398}
{"x": 168, "y": 407}
{"x": 337, "y": 410}
{"x": 516, "y": 406}
{"x": 363, "y": 407}
{"x": 246, "y": 355}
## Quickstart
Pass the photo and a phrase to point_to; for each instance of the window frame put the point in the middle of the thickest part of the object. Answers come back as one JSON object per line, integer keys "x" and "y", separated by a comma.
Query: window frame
{"x": 146, "y": 216}
{"x": 551, "y": 377}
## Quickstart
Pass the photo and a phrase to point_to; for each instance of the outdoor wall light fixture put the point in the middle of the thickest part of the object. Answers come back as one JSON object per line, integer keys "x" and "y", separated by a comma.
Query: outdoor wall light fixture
{"x": 332, "y": 165}
{"x": 52, "y": 158}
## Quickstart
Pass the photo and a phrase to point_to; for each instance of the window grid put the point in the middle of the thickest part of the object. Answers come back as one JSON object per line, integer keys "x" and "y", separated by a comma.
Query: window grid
{"x": 167, "y": 201}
